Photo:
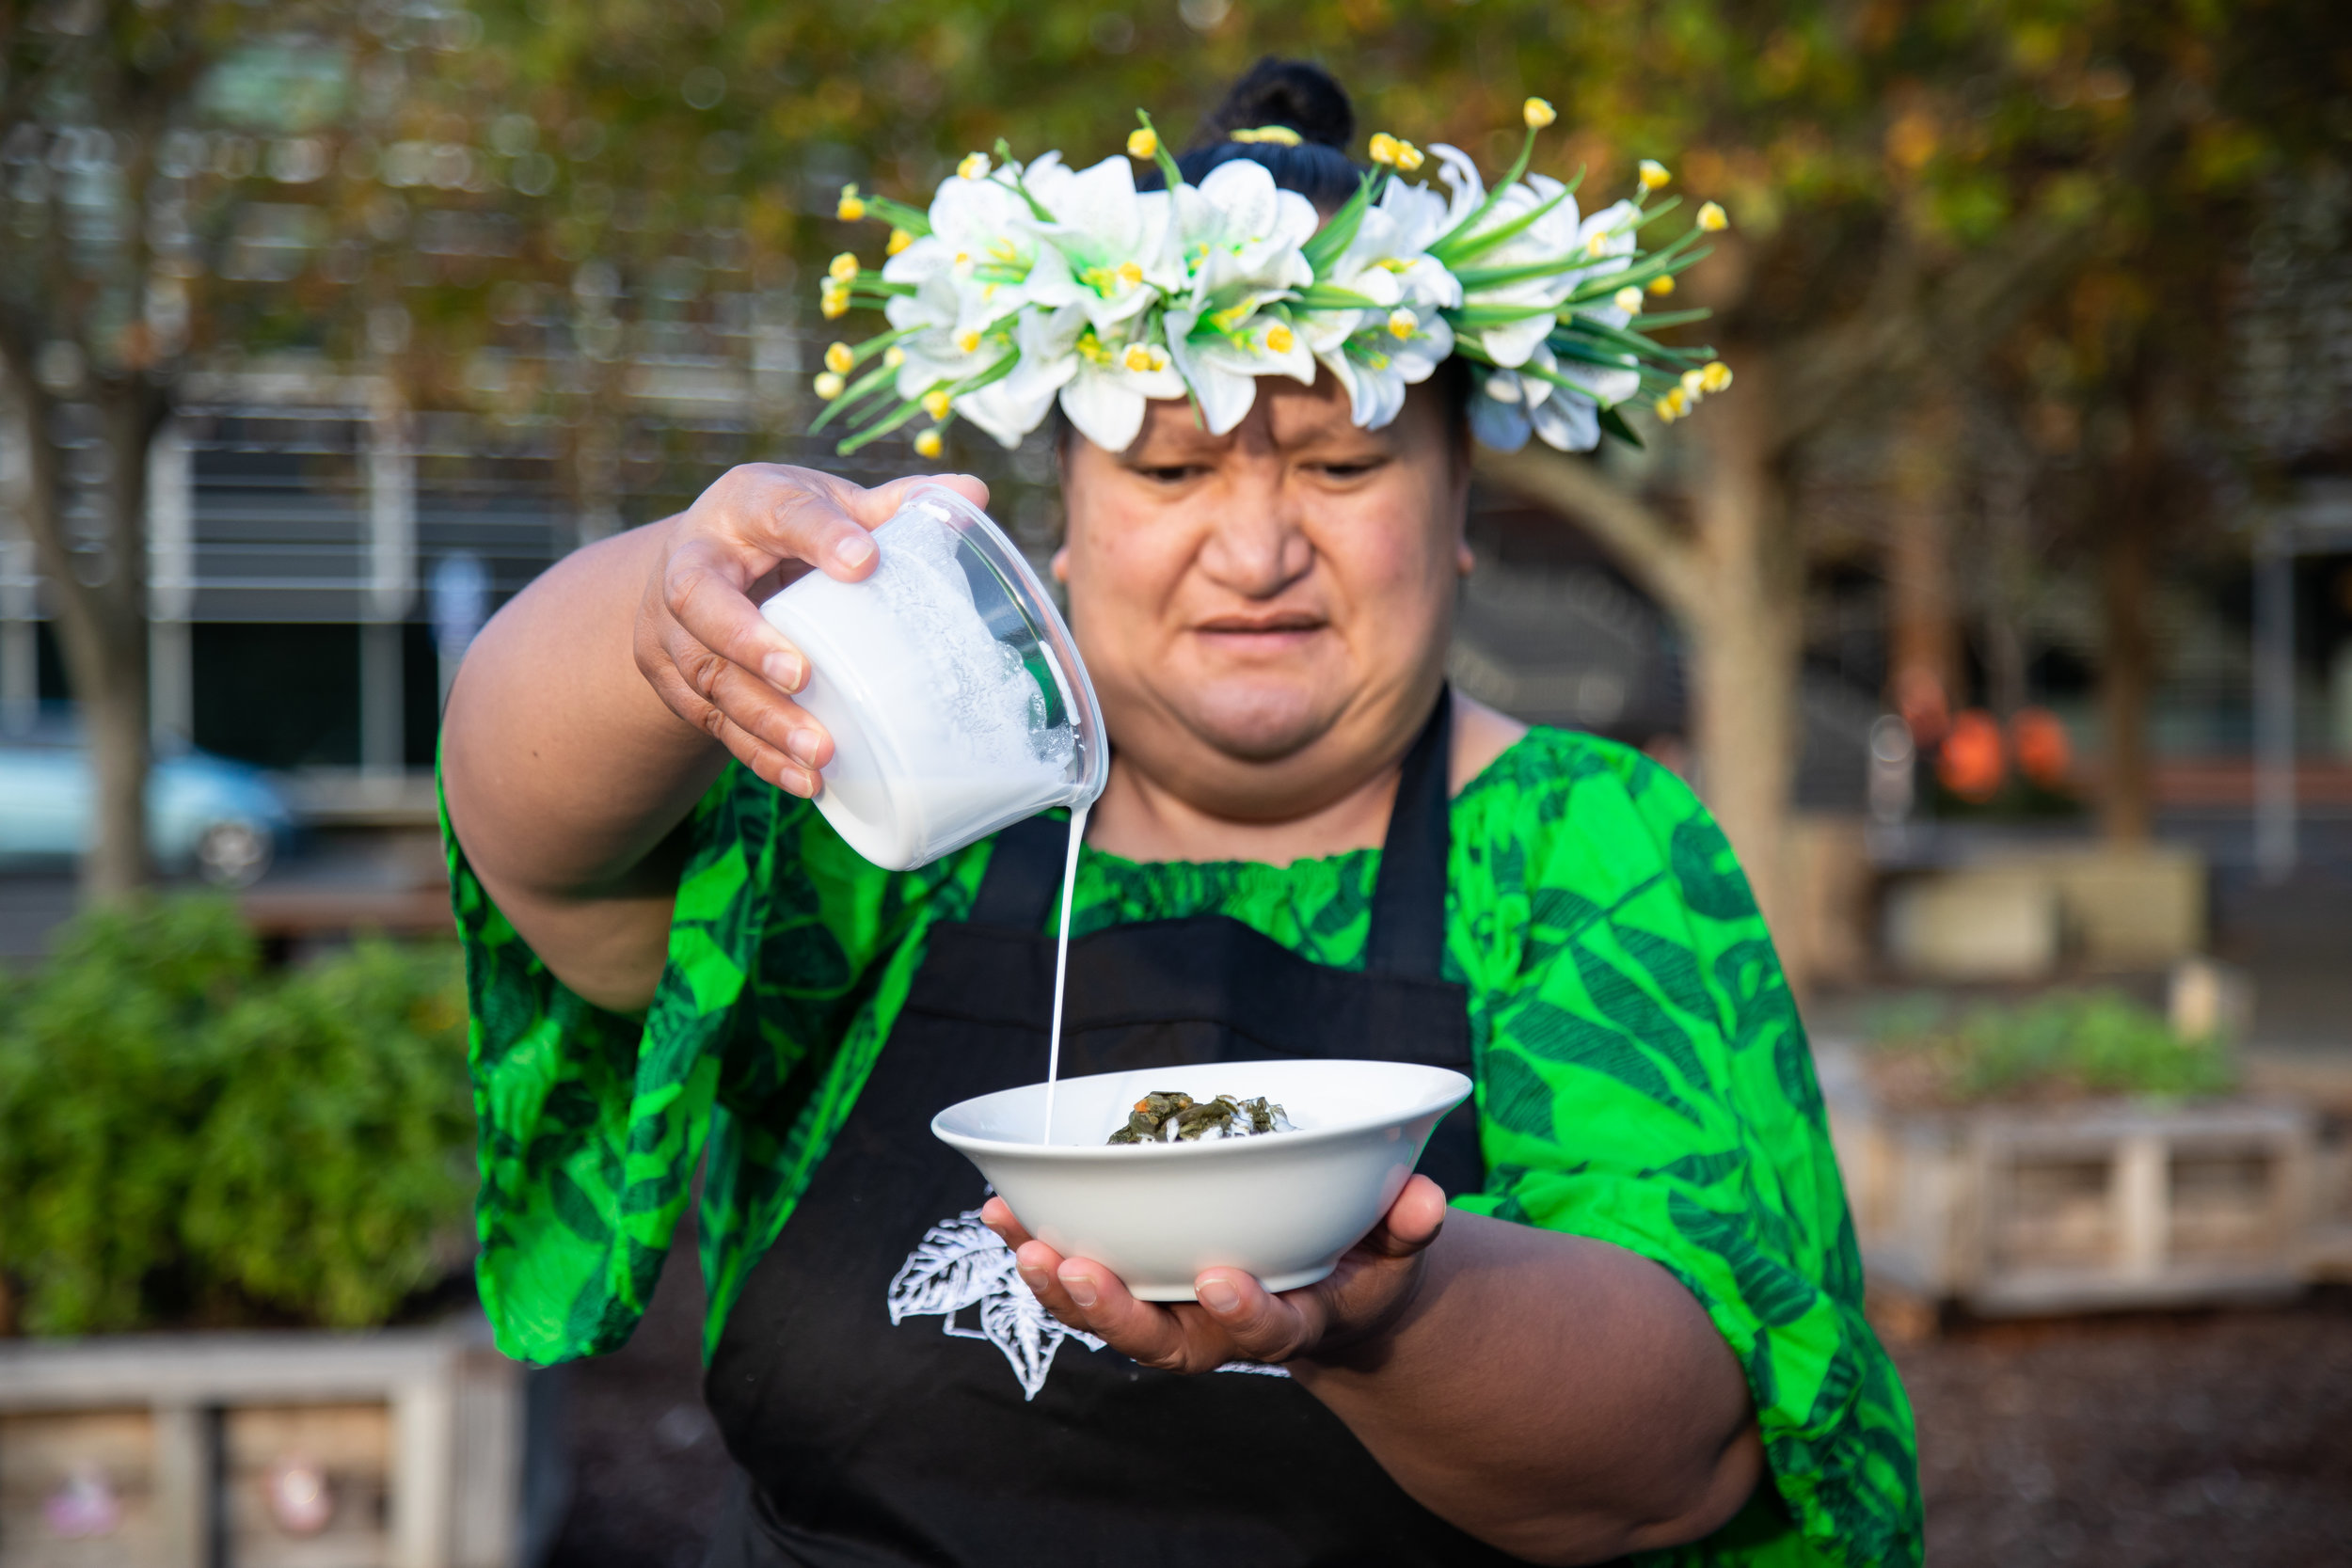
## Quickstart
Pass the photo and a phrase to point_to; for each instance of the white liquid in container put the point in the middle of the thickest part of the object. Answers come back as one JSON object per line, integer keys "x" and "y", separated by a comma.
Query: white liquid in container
{"x": 952, "y": 690}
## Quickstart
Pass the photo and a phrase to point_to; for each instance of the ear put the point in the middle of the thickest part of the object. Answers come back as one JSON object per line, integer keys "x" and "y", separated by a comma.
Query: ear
{"x": 1059, "y": 567}
{"x": 1465, "y": 561}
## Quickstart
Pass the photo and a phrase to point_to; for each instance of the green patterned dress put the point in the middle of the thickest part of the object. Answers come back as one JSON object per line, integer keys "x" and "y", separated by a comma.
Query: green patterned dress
{"x": 1642, "y": 1079}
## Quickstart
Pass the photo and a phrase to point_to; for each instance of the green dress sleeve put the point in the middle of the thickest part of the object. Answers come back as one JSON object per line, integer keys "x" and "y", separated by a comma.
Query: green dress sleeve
{"x": 1644, "y": 1079}
{"x": 591, "y": 1122}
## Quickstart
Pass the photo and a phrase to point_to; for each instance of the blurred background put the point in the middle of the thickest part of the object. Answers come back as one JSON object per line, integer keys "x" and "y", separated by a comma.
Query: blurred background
{"x": 2003, "y": 612}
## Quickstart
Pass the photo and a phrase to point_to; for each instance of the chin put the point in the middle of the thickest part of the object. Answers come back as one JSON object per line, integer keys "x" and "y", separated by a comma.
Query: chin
{"x": 1257, "y": 723}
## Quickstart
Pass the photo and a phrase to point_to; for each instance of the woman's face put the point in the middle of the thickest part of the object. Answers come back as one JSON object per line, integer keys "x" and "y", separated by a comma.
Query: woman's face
{"x": 1265, "y": 613}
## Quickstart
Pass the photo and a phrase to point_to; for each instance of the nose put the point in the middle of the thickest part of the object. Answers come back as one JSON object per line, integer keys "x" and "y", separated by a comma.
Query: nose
{"x": 1257, "y": 548}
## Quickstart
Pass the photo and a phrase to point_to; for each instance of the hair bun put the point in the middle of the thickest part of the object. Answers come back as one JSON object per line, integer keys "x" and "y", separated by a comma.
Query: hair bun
{"x": 1303, "y": 96}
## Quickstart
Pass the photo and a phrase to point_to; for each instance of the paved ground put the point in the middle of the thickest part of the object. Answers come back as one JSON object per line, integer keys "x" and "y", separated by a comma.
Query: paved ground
{"x": 2201, "y": 1440}
{"x": 2177, "y": 1439}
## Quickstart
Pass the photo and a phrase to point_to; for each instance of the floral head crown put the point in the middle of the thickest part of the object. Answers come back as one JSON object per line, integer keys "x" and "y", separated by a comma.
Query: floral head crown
{"x": 1028, "y": 283}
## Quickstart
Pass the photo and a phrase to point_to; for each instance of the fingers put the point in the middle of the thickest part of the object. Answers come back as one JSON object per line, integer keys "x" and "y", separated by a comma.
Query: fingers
{"x": 1175, "y": 1338}
{"x": 702, "y": 590}
{"x": 1412, "y": 1221}
{"x": 714, "y": 659}
{"x": 787, "y": 514}
{"x": 998, "y": 1216}
{"x": 873, "y": 508}
{"x": 822, "y": 519}
{"x": 1259, "y": 1325}
{"x": 772, "y": 734}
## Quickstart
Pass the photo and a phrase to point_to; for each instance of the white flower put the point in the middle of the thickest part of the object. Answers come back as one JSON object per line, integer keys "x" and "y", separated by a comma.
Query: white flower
{"x": 1012, "y": 406}
{"x": 1553, "y": 238}
{"x": 1103, "y": 377}
{"x": 1221, "y": 363}
{"x": 982, "y": 263}
{"x": 1240, "y": 235}
{"x": 1377, "y": 353}
{"x": 1114, "y": 378}
{"x": 1508, "y": 406}
{"x": 1377, "y": 367}
{"x": 1118, "y": 242}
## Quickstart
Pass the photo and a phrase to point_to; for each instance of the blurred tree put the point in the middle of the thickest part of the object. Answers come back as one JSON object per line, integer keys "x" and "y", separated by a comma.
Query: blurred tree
{"x": 1919, "y": 183}
{"x": 125, "y": 224}
{"x": 550, "y": 210}
{"x": 1910, "y": 182}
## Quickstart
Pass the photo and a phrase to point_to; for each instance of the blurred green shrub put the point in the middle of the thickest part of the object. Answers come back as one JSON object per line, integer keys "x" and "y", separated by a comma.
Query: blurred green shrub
{"x": 184, "y": 1137}
{"x": 2060, "y": 1045}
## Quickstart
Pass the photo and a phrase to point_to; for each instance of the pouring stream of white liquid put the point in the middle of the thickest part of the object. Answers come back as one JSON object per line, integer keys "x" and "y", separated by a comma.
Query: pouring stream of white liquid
{"x": 1061, "y": 964}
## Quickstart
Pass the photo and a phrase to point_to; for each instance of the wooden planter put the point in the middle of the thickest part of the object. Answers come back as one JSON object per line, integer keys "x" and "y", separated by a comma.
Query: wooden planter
{"x": 182, "y": 1451}
{"x": 2012, "y": 1211}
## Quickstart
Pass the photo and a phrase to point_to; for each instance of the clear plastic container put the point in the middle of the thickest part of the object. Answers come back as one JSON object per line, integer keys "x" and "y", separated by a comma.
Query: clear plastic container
{"x": 952, "y": 690}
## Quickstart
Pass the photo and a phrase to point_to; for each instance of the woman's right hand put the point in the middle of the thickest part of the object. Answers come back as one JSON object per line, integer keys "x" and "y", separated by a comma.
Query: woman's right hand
{"x": 700, "y": 640}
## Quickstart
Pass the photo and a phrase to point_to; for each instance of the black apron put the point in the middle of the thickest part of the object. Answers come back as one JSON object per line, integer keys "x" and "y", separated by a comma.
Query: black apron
{"x": 889, "y": 1386}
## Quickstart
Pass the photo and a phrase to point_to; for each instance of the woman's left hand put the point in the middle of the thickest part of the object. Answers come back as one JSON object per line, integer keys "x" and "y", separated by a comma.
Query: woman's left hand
{"x": 1344, "y": 1318}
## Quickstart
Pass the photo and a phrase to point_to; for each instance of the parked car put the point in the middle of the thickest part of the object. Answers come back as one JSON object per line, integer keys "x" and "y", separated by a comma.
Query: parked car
{"x": 222, "y": 819}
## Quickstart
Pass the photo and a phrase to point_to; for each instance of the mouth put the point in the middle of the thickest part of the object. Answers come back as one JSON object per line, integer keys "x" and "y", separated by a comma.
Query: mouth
{"x": 1268, "y": 628}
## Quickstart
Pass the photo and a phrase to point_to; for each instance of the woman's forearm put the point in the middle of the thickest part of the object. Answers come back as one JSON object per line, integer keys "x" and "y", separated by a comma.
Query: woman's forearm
{"x": 1562, "y": 1398}
{"x": 565, "y": 771}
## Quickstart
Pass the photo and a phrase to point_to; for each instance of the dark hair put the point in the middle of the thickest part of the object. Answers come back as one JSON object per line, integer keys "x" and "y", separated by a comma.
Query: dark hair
{"x": 1297, "y": 96}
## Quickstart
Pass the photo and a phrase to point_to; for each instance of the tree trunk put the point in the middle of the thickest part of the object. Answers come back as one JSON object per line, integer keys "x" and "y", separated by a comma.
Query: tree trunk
{"x": 1734, "y": 584}
{"x": 1747, "y": 642}
{"x": 2127, "y": 656}
{"x": 1923, "y": 665}
{"x": 99, "y": 606}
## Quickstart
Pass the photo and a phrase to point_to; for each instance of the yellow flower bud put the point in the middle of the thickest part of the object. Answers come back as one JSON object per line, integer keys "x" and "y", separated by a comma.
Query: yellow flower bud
{"x": 974, "y": 166}
{"x": 968, "y": 341}
{"x": 1279, "y": 338}
{"x": 840, "y": 360}
{"x": 834, "y": 305}
{"x": 894, "y": 356}
{"x": 935, "y": 403}
{"x": 851, "y": 209}
{"x": 1693, "y": 383}
{"x": 1130, "y": 274}
{"x": 1384, "y": 148}
{"x": 1138, "y": 357}
{"x": 1403, "y": 323}
{"x": 1597, "y": 245}
{"x": 1654, "y": 174}
{"x": 1143, "y": 142}
{"x": 1712, "y": 217}
{"x": 928, "y": 444}
{"x": 844, "y": 268}
{"x": 829, "y": 385}
{"x": 899, "y": 240}
{"x": 1538, "y": 113}
{"x": 1715, "y": 375}
{"x": 1409, "y": 157}
{"x": 1663, "y": 286}
{"x": 1665, "y": 408}
{"x": 1627, "y": 299}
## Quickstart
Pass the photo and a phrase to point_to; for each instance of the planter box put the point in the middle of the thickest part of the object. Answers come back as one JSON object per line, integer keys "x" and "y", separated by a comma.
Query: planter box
{"x": 2023, "y": 915}
{"x": 2012, "y": 1211}
{"x": 160, "y": 1450}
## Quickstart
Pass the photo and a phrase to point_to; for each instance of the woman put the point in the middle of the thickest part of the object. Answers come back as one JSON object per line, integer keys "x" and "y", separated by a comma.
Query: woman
{"x": 1617, "y": 1312}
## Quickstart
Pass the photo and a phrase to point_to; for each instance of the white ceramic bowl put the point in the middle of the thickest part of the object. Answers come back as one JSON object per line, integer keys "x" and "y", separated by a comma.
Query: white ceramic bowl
{"x": 1283, "y": 1206}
